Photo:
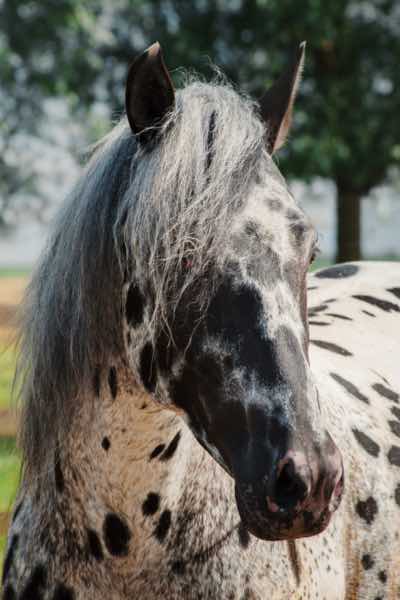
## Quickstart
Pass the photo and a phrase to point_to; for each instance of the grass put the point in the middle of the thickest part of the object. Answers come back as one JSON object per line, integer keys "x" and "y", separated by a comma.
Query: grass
{"x": 9, "y": 476}
{"x": 9, "y": 473}
{"x": 14, "y": 272}
{"x": 7, "y": 365}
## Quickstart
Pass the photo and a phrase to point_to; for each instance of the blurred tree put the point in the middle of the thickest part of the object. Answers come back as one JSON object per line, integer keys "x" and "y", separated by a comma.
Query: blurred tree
{"x": 346, "y": 127}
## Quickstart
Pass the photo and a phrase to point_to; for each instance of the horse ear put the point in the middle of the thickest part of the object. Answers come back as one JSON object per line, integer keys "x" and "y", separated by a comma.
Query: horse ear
{"x": 149, "y": 94}
{"x": 276, "y": 105}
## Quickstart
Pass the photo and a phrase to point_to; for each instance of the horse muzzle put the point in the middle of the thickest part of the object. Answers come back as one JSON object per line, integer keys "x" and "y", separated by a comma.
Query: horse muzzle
{"x": 298, "y": 500}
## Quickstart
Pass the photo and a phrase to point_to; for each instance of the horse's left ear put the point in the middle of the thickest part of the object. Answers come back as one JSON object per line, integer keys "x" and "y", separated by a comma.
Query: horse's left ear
{"x": 149, "y": 94}
{"x": 276, "y": 105}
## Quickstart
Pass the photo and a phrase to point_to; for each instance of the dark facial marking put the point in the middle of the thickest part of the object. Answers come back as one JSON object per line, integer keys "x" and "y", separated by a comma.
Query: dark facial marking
{"x": 96, "y": 382}
{"x": 105, "y": 443}
{"x": 382, "y": 576}
{"x": 331, "y": 347}
{"x": 134, "y": 307}
{"x": 337, "y": 272}
{"x": 366, "y": 442}
{"x": 151, "y": 505}
{"x": 157, "y": 450}
{"x": 367, "y": 510}
{"x": 394, "y": 456}
{"x": 382, "y": 304}
{"x": 9, "y": 557}
{"x": 397, "y": 494}
{"x": 336, "y": 316}
{"x": 395, "y": 291}
{"x": 148, "y": 368}
{"x": 94, "y": 545}
{"x": 116, "y": 535}
{"x": 349, "y": 387}
{"x": 396, "y": 412}
{"x": 395, "y": 427}
{"x": 370, "y": 314}
{"x": 163, "y": 526}
{"x": 244, "y": 536}
{"x": 35, "y": 586}
{"x": 171, "y": 448}
{"x": 386, "y": 392}
{"x": 312, "y": 287}
{"x": 58, "y": 474}
{"x": 320, "y": 323}
{"x": 62, "y": 592}
{"x": 113, "y": 382}
{"x": 367, "y": 562}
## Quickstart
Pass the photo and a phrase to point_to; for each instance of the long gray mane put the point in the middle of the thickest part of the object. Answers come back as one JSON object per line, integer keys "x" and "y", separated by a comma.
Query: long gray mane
{"x": 149, "y": 208}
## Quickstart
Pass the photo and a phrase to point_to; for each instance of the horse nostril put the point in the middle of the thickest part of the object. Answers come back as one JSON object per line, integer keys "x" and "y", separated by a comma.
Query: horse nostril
{"x": 290, "y": 487}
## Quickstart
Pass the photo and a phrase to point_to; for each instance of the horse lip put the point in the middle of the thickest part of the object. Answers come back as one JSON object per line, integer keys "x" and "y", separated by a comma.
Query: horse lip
{"x": 273, "y": 526}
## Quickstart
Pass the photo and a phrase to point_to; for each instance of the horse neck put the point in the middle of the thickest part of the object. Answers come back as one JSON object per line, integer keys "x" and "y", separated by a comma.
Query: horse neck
{"x": 132, "y": 475}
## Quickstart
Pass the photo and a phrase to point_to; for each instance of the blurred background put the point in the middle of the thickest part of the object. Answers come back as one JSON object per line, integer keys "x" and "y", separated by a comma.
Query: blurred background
{"x": 62, "y": 72}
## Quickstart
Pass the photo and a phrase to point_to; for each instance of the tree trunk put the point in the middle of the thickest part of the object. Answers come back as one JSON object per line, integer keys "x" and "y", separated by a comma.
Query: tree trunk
{"x": 348, "y": 225}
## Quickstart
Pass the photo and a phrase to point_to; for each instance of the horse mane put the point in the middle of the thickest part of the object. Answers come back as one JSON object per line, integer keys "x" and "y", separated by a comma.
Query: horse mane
{"x": 149, "y": 207}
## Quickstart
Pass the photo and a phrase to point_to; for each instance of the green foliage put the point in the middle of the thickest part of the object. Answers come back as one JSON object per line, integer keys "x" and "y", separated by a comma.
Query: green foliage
{"x": 346, "y": 126}
{"x": 9, "y": 473}
{"x": 7, "y": 366}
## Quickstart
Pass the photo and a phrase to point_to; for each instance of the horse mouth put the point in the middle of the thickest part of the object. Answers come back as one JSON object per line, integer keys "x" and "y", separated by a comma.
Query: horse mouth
{"x": 269, "y": 525}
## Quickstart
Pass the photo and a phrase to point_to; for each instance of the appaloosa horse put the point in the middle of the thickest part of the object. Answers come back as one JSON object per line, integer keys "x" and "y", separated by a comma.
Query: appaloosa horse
{"x": 176, "y": 443}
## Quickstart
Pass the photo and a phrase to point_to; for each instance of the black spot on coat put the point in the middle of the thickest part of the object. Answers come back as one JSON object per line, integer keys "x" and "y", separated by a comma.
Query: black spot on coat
{"x": 367, "y": 562}
{"x": 337, "y": 272}
{"x": 382, "y": 576}
{"x": 105, "y": 443}
{"x": 178, "y": 567}
{"x": 151, "y": 505}
{"x": 367, "y": 510}
{"x": 148, "y": 373}
{"x": 378, "y": 302}
{"x": 397, "y": 495}
{"x": 366, "y": 442}
{"x": 116, "y": 535}
{"x": 171, "y": 448}
{"x": 34, "y": 588}
{"x": 395, "y": 291}
{"x": 386, "y": 392}
{"x": 244, "y": 536}
{"x": 157, "y": 450}
{"x": 331, "y": 347}
{"x": 396, "y": 412}
{"x": 394, "y": 456}
{"x": 337, "y": 316}
{"x": 134, "y": 307}
{"x": 395, "y": 427}
{"x": 163, "y": 526}
{"x": 349, "y": 387}
{"x": 113, "y": 382}
{"x": 62, "y": 592}
{"x": 94, "y": 545}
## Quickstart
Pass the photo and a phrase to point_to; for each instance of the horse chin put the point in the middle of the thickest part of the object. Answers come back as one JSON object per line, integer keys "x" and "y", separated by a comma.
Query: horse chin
{"x": 271, "y": 527}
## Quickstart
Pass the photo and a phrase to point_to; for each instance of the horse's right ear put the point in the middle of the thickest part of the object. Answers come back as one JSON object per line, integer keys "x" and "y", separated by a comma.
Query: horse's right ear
{"x": 149, "y": 94}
